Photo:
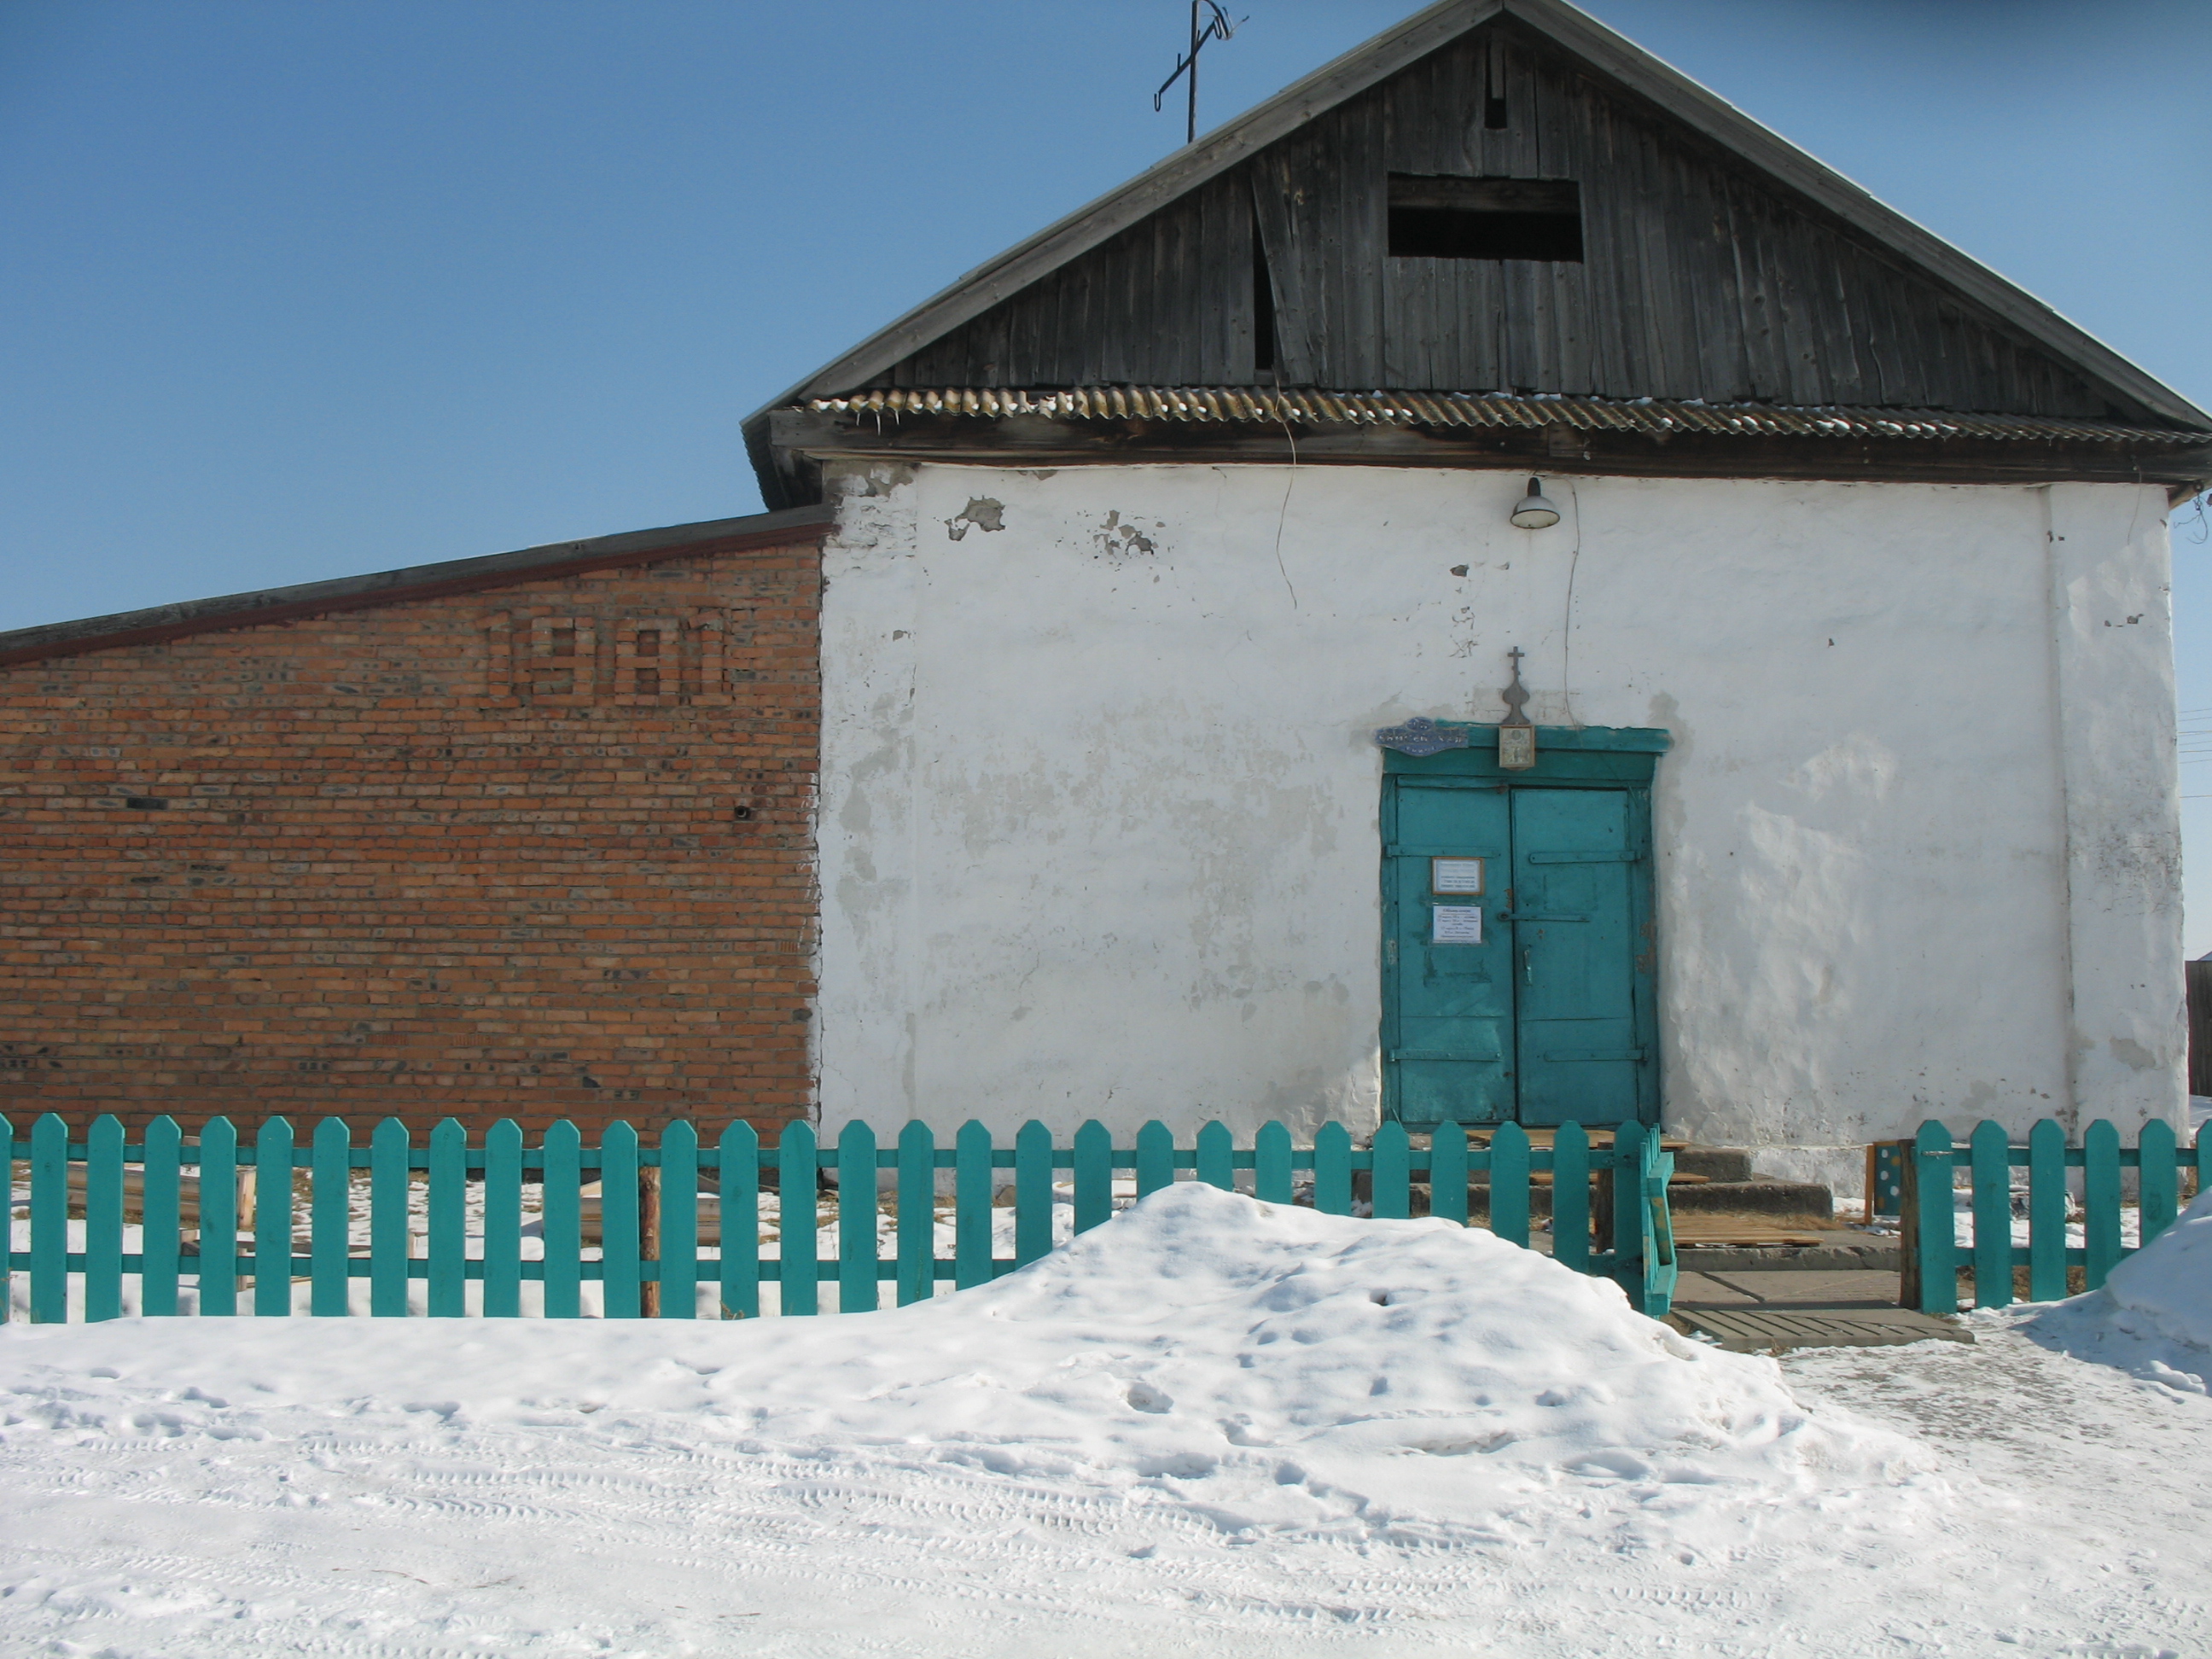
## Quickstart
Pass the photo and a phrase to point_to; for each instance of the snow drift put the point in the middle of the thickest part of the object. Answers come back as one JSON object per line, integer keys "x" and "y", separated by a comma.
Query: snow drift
{"x": 1283, "y": 1369}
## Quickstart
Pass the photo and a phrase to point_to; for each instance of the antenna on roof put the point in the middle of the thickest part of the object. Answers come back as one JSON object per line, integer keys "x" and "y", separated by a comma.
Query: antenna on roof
{"x": 1217, "y": 27}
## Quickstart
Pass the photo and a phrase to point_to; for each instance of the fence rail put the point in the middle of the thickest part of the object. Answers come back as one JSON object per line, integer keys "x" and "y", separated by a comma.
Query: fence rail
{"x": 2000, "y": 1211}
{"x": 218, "y": 1229}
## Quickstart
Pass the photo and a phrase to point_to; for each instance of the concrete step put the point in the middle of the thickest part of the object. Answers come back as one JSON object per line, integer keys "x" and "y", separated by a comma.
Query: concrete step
{"x": 1714, "y": 1162}
{"x": 1791, "y": 1198}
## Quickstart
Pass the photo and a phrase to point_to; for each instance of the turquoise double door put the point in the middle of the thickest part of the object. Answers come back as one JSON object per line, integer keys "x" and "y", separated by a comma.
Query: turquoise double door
{"x": 1518, "y": 953}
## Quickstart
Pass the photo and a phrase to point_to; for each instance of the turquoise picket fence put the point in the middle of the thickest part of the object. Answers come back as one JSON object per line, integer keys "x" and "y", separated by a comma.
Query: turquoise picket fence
{"x": 201, "y": 1225}
{"x": 1931, "y": 1162}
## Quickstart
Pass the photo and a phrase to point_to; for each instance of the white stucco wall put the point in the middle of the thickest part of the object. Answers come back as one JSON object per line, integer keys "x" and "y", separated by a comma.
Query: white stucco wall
{"x": 1099, "y": 798}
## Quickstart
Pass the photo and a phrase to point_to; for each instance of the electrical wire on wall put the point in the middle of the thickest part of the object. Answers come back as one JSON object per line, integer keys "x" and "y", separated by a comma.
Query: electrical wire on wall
{"x": 1567, "y": 622}
{"x": 1282, "y": 514}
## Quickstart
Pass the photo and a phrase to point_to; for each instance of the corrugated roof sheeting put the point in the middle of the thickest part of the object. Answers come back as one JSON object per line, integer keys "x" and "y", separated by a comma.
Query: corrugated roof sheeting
{"x": 1247, "y": 404}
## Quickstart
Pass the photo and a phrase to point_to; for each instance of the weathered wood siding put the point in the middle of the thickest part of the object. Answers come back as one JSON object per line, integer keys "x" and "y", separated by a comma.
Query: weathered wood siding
{"x": 1700, "y": 279}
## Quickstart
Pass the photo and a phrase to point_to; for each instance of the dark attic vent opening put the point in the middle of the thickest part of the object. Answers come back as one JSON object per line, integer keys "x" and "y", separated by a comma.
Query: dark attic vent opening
{"x": 1434, "y": 217}
{"x": 1263, "y": 306}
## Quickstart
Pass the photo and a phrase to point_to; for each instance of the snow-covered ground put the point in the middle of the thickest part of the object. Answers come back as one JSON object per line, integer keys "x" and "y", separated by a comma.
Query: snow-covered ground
{"x": 1211, "y": 1427}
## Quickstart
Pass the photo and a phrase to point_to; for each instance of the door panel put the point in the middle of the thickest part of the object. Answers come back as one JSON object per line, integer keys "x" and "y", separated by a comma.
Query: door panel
{"x": 1546, "y": 1020}
{"x": 1575, "y": 862}
{"x": 1449, "y": 1025}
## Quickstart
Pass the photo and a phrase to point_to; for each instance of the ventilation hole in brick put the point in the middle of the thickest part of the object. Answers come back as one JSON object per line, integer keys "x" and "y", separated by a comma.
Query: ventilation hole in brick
{"x": 146, "y": 803}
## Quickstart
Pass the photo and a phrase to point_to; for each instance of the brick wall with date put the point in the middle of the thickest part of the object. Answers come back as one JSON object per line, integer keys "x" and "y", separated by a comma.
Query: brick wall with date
{"x": 526, "y": 836}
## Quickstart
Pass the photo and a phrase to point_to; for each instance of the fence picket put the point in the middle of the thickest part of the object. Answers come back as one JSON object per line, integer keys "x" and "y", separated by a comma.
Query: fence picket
{"x": 49, "y": 1220}
{"x": 1448, "y": 1172}
{"x": 1571, "y": 1234}
{"x": 1390, "y": 1186}
{"x": 679, "y": 1220}
{"x": 1627, "y": 1222}
{"x": 448, "y": 1229}
{"x": 620, "y": 1286}
{"x": 1509, "y": 1184}
{"x": 1929, "y": 1160}
{"x": 1154, "y": 1159}
{"x": 8, "y": 1233}
{"x": 2158, "y": 1188}
{"x": 1032, "y": 1193}
{"x": 561, "y": 1207}
{"x": 741, "y": 1241}
{"x": 798, "y": 1215}
{"x": 218, "y": 1259}
{"x": 1332, "y": 1157}
{"x": 272, "y": 1218}
{"x": 502, "y": 1220}
{"x": 1988, "y": 1158}
{"x": 1094, "y": 1175}
{"x": 160, "y": 1228}
{"x": 389, "y": 1189}
{"x": 2100, "y": 1200}
{"x": 2046, "y": 1212}
{"x": 1215, "y": 1156}
{"x": 856, "y": 1220}
{"x": 330, "y": 1218}
{"x": 1272, "y": 1180}
{"x": 2203, "y": 1163}
{"x": 917, "y": 1213}
{"x": 103, "y": 1220}
{"x": 971, "y": 1205}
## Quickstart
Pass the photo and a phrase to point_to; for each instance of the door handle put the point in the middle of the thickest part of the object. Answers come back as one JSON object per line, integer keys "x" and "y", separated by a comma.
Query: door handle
{"x": 1527, "y": 965}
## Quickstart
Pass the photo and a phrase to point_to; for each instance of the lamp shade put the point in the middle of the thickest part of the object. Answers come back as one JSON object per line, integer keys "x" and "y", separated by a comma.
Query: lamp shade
{"x": 1532, "y": 511}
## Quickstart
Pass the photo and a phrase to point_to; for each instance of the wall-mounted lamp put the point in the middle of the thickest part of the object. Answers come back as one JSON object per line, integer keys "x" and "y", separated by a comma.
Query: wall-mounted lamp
{"x": 1532, "y": 511}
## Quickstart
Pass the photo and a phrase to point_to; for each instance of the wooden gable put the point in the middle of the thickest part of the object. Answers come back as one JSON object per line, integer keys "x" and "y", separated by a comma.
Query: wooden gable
{"x": 1700, "y": 278}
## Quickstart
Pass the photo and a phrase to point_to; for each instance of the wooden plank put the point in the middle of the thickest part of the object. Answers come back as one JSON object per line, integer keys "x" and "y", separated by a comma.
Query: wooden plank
{"x": 502, "y": 1219}
{"x": 1928, "y": 1198}
{"x": 621, "y": 1285}
{"x": 917, "y": 1212}
{"x": 447, "y": 1227}
{"x": 2157, "y": 1188}
{"x": 1332, "y": 1156}
{"x": 1032, "y": 1193}
{"x": 272, "y": 1220}
{"x": 1509, "y": 1184}
{"x": 49, "y": 1220}
{"x": 1448, "y": 1175}
{"x": 561, "y": 1210}
{"x": 1094, "y": 1175}
{"x": 679, "y": 1220}
{"x": 8, "y": 1234}
{"x": 1154, "y": 1159}
{"x": 1627, "y": 1197}
{"x": 2046, "y": 1211}
{"x": 2100, "y": 1200}
{"x": 739, "y": 1156}
{"x": 1989, "y": 1155}
{"x": 1392, "y": 1177}
{"x": 160, "y": 1225}
{"x": 103, "y": 1219}
{"x": 388, "y": 1218}
{"x": 218, "y": 1260}
{"x": 330, "y": 1216}
{"x": 1216, "y": 1156}
{"x": 858, "y": 1290}
{"x": 1571, "y": 1197}
{"x": 971, "y": 1206}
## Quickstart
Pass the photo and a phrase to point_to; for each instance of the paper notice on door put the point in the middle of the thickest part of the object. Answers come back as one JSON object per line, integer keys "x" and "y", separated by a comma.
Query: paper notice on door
{"x": 1455, "y": 924}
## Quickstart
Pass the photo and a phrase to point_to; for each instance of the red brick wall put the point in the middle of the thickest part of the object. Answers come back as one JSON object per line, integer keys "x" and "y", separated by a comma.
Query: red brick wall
{"x": 538, "y": 851}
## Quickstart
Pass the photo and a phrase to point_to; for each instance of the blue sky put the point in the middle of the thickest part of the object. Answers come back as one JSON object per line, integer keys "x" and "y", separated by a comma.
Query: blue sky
{"x": 297, "y": 290}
